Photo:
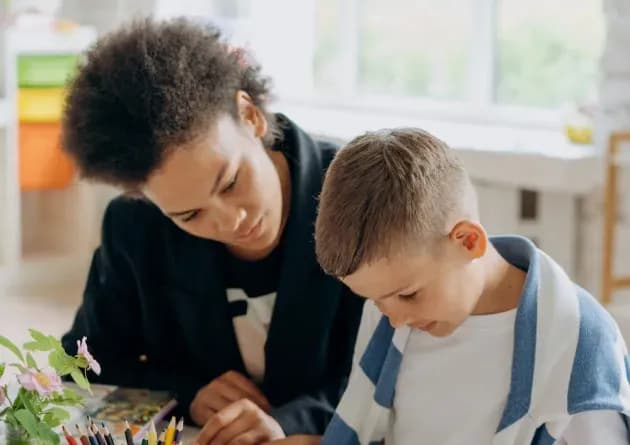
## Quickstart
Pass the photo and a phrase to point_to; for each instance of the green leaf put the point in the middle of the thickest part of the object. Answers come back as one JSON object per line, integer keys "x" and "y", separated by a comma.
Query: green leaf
{"x": 69, "y": 398}
{"x": 42, "y": 342}
{"x": 35, "y": 346}
{"x": 71, "y": 395}
{"x": 38, "y": 336}
{"x": 26, "y": 398}
{"x": 21, "y": 368}
{"x": 81, "y": 362}
{"x": 2, "y": 368}
{"x": 11, "y": 347}
{"x": 28, "y": 421}
{"x": 50, "y": 420}
{"x": 59, "y": 414}
{"x": 47, "y": 435}
{"x": 30, "y": 361}
{"x": 55, "y": 417}
{"x": 80, "y": 379}
{"x": 61, "y": 362}
{"x": 55, "y": 342}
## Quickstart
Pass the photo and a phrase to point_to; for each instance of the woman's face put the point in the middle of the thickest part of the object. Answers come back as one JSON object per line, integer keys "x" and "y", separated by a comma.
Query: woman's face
{"x": 225, "y": 185}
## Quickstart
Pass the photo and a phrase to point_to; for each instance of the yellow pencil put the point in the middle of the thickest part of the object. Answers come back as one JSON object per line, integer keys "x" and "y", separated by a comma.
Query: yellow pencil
{"x": 152, "y": 435}
{"x": 170, "y": 432}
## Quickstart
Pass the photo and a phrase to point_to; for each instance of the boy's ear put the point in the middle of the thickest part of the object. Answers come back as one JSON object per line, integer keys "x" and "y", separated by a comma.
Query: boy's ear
{"x": 471, "y": 237}
{"x": 250, "y": 115}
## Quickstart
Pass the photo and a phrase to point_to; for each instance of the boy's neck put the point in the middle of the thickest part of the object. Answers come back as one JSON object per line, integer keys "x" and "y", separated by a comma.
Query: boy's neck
{"x": 503, "y": 284}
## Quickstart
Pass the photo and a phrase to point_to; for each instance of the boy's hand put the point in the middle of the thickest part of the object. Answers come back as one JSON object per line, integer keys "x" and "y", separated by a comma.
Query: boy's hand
{"x": 297, "y": 440}
{"x": 243, "y": 423}
{"x": 222, "y": 392}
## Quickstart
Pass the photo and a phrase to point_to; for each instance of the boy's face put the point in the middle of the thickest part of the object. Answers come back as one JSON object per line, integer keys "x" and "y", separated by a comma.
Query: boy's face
{"x": 430, "y": 292}
{"x": 223, "y": 186}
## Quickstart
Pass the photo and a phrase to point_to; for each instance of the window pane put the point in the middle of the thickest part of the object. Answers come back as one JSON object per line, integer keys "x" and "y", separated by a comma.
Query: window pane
{"x": 404, "y": 48}
{"x": 548, "y": 51}
{"x": 415, "y": 47}
{"x": 328, "y": 56}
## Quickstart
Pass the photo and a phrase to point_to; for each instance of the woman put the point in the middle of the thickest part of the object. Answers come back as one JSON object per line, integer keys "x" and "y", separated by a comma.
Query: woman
{"x": 206, "y": 281}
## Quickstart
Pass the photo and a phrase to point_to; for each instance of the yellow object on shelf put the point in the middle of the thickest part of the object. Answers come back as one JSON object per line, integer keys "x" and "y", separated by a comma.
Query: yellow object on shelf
{"x": 578, "y": 125}
{"x": 579, "y": 135}
{"x": 43, "y": 165}
{"x": 40, "y": 104}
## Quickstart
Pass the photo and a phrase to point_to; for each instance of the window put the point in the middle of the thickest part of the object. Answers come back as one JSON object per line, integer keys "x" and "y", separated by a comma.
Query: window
{"x": 548, "y": 51}
{"x": 479, "y": 60}
{"x": 395, "y": 51}
{"x": 480, "y": 53}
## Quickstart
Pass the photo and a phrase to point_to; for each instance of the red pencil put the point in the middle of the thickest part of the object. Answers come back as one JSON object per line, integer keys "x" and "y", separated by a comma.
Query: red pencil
{"x": 69, "y": 438}
{"x": 82, "y": 437}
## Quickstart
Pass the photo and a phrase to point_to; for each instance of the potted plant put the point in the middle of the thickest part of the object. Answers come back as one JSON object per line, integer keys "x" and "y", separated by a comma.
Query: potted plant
{"x": 32, "y": 397}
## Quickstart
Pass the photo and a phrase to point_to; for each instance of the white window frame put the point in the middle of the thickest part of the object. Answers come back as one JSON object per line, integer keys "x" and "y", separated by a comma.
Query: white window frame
{"x": 480, "y": 106}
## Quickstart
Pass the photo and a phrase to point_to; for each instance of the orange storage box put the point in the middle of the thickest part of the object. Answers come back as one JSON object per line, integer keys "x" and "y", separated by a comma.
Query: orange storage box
{"x": 43, "y": 165}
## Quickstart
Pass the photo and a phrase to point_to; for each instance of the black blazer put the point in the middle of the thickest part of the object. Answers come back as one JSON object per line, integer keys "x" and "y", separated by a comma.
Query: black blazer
{"x": 156, "y": 314}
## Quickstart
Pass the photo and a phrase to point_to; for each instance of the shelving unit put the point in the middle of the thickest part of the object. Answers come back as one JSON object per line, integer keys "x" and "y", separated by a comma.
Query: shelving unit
{"x": 46, "y": 235}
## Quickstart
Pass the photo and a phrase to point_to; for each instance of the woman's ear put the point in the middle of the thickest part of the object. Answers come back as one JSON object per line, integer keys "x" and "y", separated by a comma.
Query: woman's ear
{"x": 250, "y": 115}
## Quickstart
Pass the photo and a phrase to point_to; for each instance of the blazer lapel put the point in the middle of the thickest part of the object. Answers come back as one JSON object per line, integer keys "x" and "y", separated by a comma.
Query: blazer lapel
{"x": 297, "y": 344}
{"x": 197, "y": 294}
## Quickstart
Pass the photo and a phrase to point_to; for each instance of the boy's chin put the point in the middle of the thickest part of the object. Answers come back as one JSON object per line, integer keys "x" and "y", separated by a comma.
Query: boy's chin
{"x": 441, "y": 329}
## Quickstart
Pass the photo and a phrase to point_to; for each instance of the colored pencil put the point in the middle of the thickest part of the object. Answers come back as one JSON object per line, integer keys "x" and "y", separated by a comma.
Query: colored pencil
{"x": 170, "y": 432}
{"x": 128, "y": 435}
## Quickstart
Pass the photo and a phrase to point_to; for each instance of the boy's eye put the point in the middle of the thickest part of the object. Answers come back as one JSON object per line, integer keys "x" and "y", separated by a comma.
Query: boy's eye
{"x": 407, "y": 297}
{"x": 231, "y": 185}
{"x": 191, "y": 216}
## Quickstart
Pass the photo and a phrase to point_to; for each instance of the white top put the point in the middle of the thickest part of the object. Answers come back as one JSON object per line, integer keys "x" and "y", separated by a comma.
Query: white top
{"x": 453, "y": 390}
{"x": 251, "y": 330}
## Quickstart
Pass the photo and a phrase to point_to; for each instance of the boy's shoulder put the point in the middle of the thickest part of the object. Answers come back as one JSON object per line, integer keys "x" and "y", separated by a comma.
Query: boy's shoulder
{"x": 595, "y": 355}
{"x": 600, "y": 352}
{"x": 595, "y": 320}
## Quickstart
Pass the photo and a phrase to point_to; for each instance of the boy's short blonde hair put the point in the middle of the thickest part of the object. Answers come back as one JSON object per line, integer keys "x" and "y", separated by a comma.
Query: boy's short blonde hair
{"x": 386, "y": 191}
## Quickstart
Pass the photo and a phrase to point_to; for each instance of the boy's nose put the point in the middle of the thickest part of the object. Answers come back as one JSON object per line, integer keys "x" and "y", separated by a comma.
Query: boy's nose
{"x": 396, "y": 319}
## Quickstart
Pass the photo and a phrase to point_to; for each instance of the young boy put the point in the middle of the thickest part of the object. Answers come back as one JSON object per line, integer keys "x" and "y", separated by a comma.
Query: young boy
{"x": 478, "y": 340}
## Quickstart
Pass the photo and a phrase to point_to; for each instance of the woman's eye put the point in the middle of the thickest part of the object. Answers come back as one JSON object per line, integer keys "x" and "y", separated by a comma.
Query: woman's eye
{"x": 191, "y": 216}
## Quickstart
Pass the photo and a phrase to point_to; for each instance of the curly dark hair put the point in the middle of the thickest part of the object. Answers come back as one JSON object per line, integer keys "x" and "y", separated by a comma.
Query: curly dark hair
{"x": 149, "y": 86}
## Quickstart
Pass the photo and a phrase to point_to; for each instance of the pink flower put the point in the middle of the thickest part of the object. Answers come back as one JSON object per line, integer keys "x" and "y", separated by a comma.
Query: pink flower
{"x": 82, "y": 350}
{"x": 44, "y": 382}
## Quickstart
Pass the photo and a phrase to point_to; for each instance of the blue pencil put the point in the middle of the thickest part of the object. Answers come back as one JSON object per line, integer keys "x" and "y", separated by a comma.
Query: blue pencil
{"x": 91, "y": 436}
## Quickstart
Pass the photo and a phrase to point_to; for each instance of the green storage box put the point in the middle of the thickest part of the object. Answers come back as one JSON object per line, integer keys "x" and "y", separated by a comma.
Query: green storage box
{"x": 35, "y": 70}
